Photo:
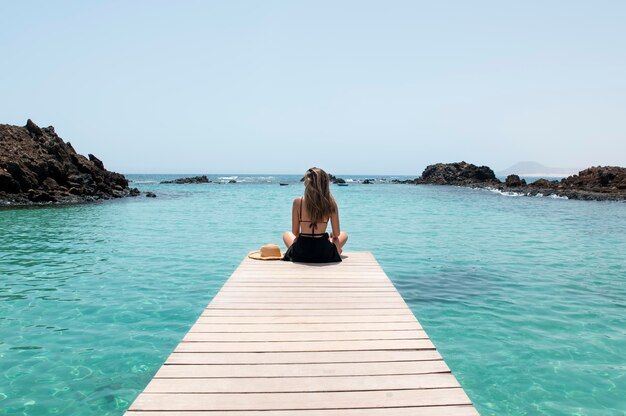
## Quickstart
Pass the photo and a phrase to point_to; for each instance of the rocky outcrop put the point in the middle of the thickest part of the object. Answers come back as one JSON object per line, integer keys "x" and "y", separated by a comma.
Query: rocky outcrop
{"x": 37, "y": 166}
{"x": 514, "y": 181}
{"x": 595, "y": 183}
{"x": 194, "y": 179}
{"x": 598, "y": 179}
{"x": 460, "y": 173}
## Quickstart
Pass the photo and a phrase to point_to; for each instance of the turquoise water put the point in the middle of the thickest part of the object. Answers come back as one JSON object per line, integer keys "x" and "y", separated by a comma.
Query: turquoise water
{"x": 524, "y": 297}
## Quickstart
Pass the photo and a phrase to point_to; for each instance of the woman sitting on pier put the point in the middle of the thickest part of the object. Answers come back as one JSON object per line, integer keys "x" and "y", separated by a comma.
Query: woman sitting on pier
{"x": 308, "y": 241}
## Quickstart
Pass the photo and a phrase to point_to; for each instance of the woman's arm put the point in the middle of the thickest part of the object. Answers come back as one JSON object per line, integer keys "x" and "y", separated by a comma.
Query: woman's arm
{"x": 334, "y": 221}
{"x": 295, "y": 218}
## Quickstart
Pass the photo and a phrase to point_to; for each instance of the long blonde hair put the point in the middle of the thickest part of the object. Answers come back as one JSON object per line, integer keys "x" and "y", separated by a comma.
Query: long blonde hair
{"x": 318, "y": 200}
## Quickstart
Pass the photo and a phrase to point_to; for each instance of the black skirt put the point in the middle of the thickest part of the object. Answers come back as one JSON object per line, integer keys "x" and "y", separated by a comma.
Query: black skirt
{"x": 306, "y": 249}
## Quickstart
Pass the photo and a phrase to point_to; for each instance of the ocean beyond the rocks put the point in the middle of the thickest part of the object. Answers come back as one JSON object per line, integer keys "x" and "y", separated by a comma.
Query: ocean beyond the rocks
{"x": 525, "y": 298}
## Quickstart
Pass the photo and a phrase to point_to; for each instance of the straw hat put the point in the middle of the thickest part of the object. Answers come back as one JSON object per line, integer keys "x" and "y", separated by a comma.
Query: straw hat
{"x": 267, "y": 252}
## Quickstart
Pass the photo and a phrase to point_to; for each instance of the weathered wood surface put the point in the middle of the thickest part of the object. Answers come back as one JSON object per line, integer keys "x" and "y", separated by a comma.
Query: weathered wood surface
{"x": 305, "y": 340}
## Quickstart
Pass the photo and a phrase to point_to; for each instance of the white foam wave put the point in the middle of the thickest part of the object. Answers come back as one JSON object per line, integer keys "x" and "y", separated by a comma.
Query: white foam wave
{"x": 514, "y": 194}
{"x": 144, "y": 182}
{"x": 505, "y": 193}
{"x": 555, "y": 196}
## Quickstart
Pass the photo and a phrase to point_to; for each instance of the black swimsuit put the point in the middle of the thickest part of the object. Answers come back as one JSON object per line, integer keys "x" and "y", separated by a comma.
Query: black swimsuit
{"x": 311, "y": 247}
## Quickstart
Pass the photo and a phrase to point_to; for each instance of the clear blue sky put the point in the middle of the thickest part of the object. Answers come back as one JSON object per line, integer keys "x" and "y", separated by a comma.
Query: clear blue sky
{"x": 382, "y": 87}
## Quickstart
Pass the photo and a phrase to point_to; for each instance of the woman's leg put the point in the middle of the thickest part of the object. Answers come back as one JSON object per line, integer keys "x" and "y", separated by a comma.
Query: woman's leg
{"x": 340, "y": 241}
{"x": 288, "y": 238}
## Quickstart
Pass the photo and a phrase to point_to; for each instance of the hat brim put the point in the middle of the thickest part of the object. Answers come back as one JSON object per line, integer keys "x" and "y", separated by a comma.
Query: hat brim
{"x": 256, "y": 255}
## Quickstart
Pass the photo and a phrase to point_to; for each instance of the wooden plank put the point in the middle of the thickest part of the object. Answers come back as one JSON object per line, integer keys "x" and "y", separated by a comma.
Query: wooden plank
{"x": 294, "y": 370}
{"x": 329, "y": 285}
{"x": 401, "y": 344}
{"x": 330, "y": 303}
{"x": 278, "y": 273}
{"x": 305, "y": 271}
{"x": 372, "y": 298}
{"x": 224, "y": 320}
{"x": 301, "y": 384}
{"x": 299, "y": 304}
{"x": 316, "y": 274}
{"x": 310, "y": 357}
{"x": 296, "y": 288}
{"x": 296, "y": 401}
{"x": 302, "y": 312}
{"x": 300, "y": 294}
{"x": 304, "y": 327}
{"x": 465, "y": 410}
{"x": 300, "y": 285}
{"x": 303, "y": 336}
{"x": 381, "y": 300}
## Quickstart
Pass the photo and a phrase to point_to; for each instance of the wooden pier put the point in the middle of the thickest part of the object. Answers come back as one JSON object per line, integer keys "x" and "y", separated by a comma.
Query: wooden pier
{"x": 307, "y": 340}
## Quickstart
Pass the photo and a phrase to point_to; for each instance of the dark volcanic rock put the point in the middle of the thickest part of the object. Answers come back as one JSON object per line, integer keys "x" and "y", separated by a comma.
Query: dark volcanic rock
{"x": 514, "y": 181}
{"x": 33, "y": 129}
{"x": 595, "y": 183}
{"x": 460, "y": 173}
{"x": 150, "y": 195}
{"x": 232, "y": 181}
{"x": 36, "y": 166}
{"x": 339, "y": 180}
{"x": 194, "y": 179}
{"x": 545, "y": 184}
{"x": 598, "y": 179}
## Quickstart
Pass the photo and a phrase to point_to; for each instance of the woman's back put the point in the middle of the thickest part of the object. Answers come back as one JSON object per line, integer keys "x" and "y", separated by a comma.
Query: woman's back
{"x": 306, "y": 225}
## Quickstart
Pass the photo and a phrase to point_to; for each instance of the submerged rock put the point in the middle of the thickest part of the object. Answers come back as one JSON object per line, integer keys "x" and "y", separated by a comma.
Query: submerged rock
{"x": 37, "y": 166}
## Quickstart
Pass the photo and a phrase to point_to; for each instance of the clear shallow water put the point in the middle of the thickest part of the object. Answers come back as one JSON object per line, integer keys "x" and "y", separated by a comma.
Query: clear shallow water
{"x": 524, "y": 297}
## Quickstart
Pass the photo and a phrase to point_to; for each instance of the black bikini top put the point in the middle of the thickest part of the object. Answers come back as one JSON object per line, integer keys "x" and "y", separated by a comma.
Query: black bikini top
{"x": 313, "y": 224}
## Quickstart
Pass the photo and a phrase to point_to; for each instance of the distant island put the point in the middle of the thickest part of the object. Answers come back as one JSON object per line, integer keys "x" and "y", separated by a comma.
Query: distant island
{"x": 537, "y": 170}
